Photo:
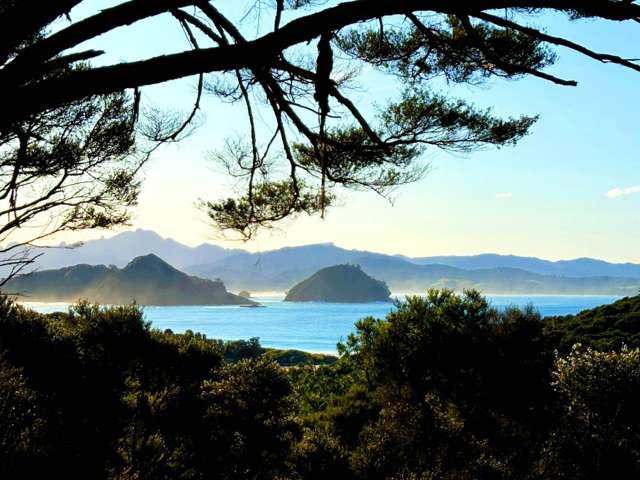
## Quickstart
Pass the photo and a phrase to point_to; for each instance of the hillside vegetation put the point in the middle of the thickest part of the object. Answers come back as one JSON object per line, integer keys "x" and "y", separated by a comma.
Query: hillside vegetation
{"x": 605, "y": 327}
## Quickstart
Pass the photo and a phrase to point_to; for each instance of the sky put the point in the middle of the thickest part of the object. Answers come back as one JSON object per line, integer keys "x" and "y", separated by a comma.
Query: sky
{"x": 570, "y": 189}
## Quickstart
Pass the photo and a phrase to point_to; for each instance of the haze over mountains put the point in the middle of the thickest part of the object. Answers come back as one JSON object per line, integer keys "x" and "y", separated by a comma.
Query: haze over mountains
{"x": 579, "y": 267}
{"x": 281, "y": 269}
{"x": 121, "y": 248}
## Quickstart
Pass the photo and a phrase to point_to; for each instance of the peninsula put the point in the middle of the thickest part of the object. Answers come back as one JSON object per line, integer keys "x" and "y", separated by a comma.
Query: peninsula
{"x": 147, "y": 280}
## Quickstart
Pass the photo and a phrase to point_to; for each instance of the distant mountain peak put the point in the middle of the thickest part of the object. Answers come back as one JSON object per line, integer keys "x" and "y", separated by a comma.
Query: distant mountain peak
{"x": 150, "y": 263}
{"x": 138, "y": 232}
{"x": 119, "y": 249}
{"x": 148, "y": 259}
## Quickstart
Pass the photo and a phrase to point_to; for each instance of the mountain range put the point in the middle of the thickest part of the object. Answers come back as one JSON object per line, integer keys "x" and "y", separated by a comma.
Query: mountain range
{"x": 579, "y": 267}
{"x": 282, "y": 268}
{"x": 121, "y": 248}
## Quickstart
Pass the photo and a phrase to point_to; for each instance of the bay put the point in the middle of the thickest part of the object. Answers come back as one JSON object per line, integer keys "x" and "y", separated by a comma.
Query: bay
{"x": 312, "y": 326}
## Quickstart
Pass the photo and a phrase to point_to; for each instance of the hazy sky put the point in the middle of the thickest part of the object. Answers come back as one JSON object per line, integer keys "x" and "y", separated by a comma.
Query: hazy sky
{"x": 570, "y": 189}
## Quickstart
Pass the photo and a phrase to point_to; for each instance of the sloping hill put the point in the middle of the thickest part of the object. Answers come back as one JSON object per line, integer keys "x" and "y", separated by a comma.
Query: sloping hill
{"x": 147, "y": 280}
{"x": 606, "y": 327}
{"x": 339, "y": 283}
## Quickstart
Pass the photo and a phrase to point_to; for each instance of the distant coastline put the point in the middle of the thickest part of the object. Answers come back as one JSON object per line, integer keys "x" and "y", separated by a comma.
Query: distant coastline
{"x": 276, "y": 271}
{"x": 279, "y": 295}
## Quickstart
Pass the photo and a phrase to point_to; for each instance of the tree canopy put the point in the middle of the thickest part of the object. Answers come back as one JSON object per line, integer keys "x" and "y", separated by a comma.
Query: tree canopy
{"x": 301, "y": 69}
{"x": 445, "y": 386}
{"x": 68, "y": 167}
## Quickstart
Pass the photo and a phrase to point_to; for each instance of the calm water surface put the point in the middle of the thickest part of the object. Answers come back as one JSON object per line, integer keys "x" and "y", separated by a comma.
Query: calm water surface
{"x": 314, "y": 327}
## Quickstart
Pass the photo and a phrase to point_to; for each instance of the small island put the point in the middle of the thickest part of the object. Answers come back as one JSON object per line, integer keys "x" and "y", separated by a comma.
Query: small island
{"x": 340, "y": 284}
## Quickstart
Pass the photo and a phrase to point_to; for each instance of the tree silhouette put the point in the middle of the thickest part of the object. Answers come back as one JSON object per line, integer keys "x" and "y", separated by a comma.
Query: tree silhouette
{"x": 70, "y": 167}
{"x": 318, "y": 132}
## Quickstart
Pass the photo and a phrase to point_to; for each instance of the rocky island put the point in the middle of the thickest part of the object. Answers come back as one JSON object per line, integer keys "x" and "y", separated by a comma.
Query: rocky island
{"x": 339, "y": 284}
{"x": 147, "y": 280}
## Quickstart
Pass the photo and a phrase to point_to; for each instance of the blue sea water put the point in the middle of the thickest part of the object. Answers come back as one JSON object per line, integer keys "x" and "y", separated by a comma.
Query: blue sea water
{"x": 314, "y": 327}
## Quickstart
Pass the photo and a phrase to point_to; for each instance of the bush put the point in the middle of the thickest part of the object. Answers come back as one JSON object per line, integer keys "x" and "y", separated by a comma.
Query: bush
{"x": 599, "y": 431}
{"x": 444, "y": 387}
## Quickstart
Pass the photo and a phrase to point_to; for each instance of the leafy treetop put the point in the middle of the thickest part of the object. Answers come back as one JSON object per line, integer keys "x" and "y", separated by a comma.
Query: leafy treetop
{"x": 321, "y": 137}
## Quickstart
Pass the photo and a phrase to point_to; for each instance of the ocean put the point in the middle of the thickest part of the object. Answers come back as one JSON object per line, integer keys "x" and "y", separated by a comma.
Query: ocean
{"x": 313, "y": 326}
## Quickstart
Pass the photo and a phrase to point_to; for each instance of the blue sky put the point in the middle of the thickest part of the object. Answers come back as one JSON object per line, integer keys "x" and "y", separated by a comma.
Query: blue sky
{"x": 545, "y": 197}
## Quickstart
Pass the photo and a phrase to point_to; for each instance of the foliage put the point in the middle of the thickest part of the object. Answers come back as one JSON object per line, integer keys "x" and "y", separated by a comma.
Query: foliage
{"x": 445, "y": 387}
{"x": 606, "y": 327}
{"x": 17, "y": 416}
{"x": 295, "y": 73}
{"x": 70, "y": 167}
{"x": 599, "y": 431}
{"x": 462, "y": 388}
{"x": 266, "y": 204}
{"x": 250, "y": 420}
{"x": 290, "y": 358}
{"x": 235, "y": 350}
{"x": 97, "y": 389}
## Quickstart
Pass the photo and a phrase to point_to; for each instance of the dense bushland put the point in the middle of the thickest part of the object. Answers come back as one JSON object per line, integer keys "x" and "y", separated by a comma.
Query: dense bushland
{"x": 444, "y": 387}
